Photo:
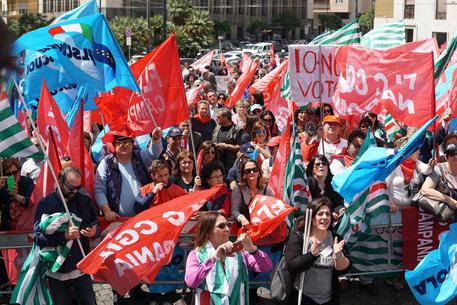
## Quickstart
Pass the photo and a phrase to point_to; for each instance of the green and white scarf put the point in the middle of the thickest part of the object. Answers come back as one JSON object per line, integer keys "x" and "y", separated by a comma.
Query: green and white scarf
{"x": 31, "y": 288}
{"x": 229, "y": 287}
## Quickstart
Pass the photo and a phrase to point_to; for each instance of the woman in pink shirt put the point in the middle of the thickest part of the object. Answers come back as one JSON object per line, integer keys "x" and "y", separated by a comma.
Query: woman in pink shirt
{"x": 218, "y": 268}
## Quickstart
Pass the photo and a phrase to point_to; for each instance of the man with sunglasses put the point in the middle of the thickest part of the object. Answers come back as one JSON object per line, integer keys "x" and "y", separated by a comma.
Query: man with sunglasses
{"x": 68, "y": 282}
{"x": 344, "y": 160}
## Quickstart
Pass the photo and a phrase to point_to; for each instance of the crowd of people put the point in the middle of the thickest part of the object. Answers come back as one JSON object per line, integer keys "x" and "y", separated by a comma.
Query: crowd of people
{"x": 235, "y": 148}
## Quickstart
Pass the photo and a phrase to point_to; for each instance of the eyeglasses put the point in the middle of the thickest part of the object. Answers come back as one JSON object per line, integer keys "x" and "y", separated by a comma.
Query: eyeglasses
{"x": 224, "y": 225}
{"x": 185, "y": 162}
{"x": 251, "y": 170}
{"x": 217, "y": 177}
{"x": 327, "y": 111}
{"x": 210, "y": 152}
{"x": 72, "y": 188}
{"x": 261, "y": 131}
{"x": 268, "y": 120}
{"x": 257, "y": 111}
{"x": 319, "y": 164}
{"x": 12, "y": 173}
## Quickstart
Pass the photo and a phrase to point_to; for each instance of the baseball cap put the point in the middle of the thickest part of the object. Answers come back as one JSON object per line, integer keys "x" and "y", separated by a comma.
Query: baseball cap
{"x": 174, "y": 132}
{"x": 451, "y": 148}
{"x": 255, "y": 107}
{"x": 331, "y": 119}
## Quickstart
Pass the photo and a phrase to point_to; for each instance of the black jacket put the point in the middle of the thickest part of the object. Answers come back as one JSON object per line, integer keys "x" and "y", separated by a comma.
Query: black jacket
{"x": 83, "y": 207}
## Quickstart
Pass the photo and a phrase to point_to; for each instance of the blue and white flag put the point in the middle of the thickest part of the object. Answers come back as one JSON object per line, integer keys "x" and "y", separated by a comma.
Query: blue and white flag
{"x": 434, "y": 280}
{"x": 375, "y": 165}
{"x": 87, "y": 50}
{"x": 88, "y": 9}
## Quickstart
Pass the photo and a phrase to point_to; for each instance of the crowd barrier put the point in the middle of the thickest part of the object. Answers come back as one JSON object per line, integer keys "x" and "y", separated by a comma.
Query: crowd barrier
{"x": 384, "y": 231}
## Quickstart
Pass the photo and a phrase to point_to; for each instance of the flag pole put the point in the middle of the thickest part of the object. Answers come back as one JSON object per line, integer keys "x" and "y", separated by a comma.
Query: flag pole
{"x": 321, "y": 110}
{"x": 197, "y": 170}
{"x": 435, "y": 151}
{"x": 149, "y": 109}
{"x": 306, "y": 233}
{"x": 51, "y": 168}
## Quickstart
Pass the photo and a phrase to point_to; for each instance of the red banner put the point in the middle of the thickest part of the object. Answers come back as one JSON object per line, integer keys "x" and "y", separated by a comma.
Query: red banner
{"x": 143, "y": 244}
{"x": 269, "y": 83}
{"x": 241, "y": 84}
{"x": 421, "y": 234}
{"x": 204, "y": 61}
{"x": 401, "y": 82}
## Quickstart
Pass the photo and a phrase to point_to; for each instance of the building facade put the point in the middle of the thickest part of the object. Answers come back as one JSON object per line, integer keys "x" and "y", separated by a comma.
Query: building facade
{"x": 12, "y": 9}
{"x": 423, "y": 18}
{"x": 345, "y": 9}
{"x": 240, "y": 13}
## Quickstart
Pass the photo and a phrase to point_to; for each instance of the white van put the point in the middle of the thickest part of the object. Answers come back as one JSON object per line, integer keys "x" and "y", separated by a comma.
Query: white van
{"x": 261, "y": 48}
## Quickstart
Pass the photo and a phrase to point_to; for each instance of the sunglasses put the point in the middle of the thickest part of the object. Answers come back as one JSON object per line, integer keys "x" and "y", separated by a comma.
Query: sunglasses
{"x": 251, "y": 170}
{"x": 224, "y": 225}
{"x": 123, "y": 143}
{"x": 327, "y": 111}
{"x": 319, "y": 164}
{"x": 260, "y": 131}
{"x": 13, "y": 173}
{"x": 210, "y": 152}
{"x": 268, "y": 120}
{"x": 72, "y": 188}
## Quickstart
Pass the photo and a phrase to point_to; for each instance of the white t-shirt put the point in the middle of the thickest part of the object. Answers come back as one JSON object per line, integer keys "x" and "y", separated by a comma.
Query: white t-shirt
{"x": 329, "y": 149}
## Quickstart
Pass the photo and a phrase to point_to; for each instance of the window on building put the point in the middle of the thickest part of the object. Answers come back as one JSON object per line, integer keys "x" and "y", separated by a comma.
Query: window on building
{"x": 23, "y": 8}
{"x": 340, "y": 1}
{"x": 441, "y": 9}
{"x": 409, "y": 9}
{"x": 241, "y": 7}
{"x": 217, "y": 6}
{"x": 253, "y": 8}
{"x": 229, "y": 7}
{"x": 409, "y": 35}
{"x": 440, "y": 37}
{"x": 264, "y": 8}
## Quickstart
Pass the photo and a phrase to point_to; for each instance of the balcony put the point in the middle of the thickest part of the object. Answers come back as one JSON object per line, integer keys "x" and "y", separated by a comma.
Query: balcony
{"x": 409, "y": 11}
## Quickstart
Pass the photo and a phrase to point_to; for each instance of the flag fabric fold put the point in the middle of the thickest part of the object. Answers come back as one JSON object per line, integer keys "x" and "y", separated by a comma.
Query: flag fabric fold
{"x": 385, "y": 36}
{"x": 348, "y": 34}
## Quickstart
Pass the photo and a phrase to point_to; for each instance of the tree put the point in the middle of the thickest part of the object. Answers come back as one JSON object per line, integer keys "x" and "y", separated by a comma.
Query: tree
{"x": 288, "y": 21}
{"x": 140, "y": 34}
{"x": 179, "y": 11}
{"x": 256, "y": 26}
{"x": 330, "y": 22}
{"x": 28, "y": 22}
{"x": 366, "y": 20}
{"x": 221, "y": 28}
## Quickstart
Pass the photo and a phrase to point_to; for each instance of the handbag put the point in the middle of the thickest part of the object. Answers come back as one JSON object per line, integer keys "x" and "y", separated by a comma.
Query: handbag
{"x": 282, "y": 283}
{"x": 439, "y": 209}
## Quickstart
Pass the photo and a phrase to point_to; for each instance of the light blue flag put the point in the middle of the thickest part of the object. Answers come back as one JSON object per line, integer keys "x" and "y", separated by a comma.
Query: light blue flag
{"x": 87, "y": 50}
{"x": 70, "y": 118}
{"x": 39, "y": 66}
{"x": 63, "y": 96}
{"x": 88, "y": 9}
{"x": 434, "y": 280}
{"x": 375, "y": 165}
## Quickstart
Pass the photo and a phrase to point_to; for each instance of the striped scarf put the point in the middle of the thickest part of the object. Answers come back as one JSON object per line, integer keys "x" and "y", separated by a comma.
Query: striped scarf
{"x": 229, "y": 287}
{"x": 31, "y": 288}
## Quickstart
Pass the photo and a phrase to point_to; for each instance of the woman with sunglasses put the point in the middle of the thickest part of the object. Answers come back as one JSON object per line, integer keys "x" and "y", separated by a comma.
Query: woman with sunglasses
{"x": 251, "y": 183}
{"x": 269, "y": 120}
{"x": 212, "y": 175}
{"x": 324, "y": 261}
{"x": 319, "y": 179}
{"x": 259, "y": 136}
{"x": 15, "y": 193}
{"x": 216, "y": 269}
{"x": 207, "y": 153}
{"x": 184, "y": 173}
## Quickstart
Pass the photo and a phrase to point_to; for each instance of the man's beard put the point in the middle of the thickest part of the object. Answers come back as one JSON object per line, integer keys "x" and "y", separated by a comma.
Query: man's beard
{"x": 70, "y": 196}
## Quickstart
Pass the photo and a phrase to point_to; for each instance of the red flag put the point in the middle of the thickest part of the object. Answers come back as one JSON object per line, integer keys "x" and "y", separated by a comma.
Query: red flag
{"x": 279, "y": 105}
{"x": 276, "y": 181}
{"x": 14, "y": 259}
{"x": 403, "y": 83}
{"x": 192, "y": 95}
{"x": 224, "y": 61}
{"x": 44, "y": 186}
{"x": 269, "y": 83}
{"x": 272, "y": 57}
{"x": 159, "y": 77}
{"x": 144, "y": 243}
{"x": 49, "y": 115}
{"x": 200, "y": 161}
{"x": 267, "y": 213}
{"x": 80, "y": 157}
{"x": 241, "y": 84}
{"x": 245, "y": 62}
{"x": 203, "y": 61}
{"x": 22, "y": 119}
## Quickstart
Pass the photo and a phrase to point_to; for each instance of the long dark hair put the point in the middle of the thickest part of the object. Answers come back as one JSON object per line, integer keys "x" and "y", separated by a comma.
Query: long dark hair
{"x": 242, "y": 181}
{"x": 315, "y": 206}
{"x": 205, "y": 225}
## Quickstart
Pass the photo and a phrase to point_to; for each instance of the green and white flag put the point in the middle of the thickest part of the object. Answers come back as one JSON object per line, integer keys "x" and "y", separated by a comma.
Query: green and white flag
{"x": 320, "y": 37}
{"x": 285, "y": 86}
{"x": 348, "y": 34}
{"x": 385, "y": 36}
{"x": 392, "y": 129}
{"x": 13, "y": 140}
{"x": 31, "y": 288}
{"x": 296, "y": 189}
{"x": 445, "y": 57}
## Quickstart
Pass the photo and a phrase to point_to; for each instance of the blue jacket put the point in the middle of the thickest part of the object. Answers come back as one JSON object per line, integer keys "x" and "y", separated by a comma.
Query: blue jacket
{"x": 83, "y": 207}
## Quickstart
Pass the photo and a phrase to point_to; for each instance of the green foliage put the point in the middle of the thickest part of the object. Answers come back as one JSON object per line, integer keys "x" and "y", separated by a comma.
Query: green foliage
{"x": 256, "y": 26}
{"x": 330, "y": 22}
{"x": 28, "y": 22}
{"x": 366, "y": 20}
{"x": 179, "y": 10}
{"x": 221, "y": 28}
{"x": 140, "y": 34}
{"x": 288, "y": 21}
